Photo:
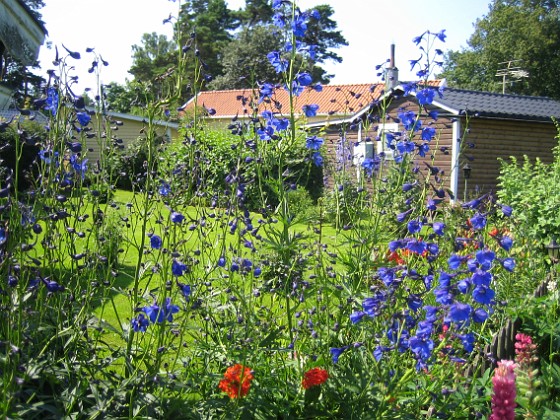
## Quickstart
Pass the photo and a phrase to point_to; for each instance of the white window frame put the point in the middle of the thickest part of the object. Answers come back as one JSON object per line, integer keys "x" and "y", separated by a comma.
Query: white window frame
{"x": 389, "y": 154}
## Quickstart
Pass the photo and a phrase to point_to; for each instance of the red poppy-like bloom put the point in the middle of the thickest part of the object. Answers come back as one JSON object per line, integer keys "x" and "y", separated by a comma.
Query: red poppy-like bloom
{"x": 314, "y": 377}
{"x": 237, "y": 381}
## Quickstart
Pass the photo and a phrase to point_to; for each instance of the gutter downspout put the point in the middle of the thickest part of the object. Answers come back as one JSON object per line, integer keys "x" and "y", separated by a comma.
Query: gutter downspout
{"x": 455, "y": 152}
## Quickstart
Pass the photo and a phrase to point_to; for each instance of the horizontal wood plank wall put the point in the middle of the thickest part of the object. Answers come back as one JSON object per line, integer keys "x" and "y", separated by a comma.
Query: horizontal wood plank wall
{"x": 336, "y": 136}
{"x": 493, "y": 139}
{"x": 123, "y": 134}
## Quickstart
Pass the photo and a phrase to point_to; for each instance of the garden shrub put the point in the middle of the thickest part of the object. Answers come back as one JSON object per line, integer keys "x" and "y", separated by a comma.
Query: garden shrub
{"x": 128, "y": 166}
{"x": 222, "y": 157}
{"x": 531, "y": 189}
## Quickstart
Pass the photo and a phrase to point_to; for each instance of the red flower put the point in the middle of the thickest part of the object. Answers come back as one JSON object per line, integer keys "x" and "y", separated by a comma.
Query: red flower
{"x": 494, "y": 232}
{"x": 313, "y": 377}
{"x": 237, "y": 381}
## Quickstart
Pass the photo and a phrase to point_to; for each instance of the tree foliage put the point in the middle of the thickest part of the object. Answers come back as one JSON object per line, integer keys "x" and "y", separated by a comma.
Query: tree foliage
{"x": 208, "y": 26}
{"x": 243, "y": 61}
{"x": 526, "y": 30}
{"x": 152, "y": 61}
{"x": 227, "y": 49}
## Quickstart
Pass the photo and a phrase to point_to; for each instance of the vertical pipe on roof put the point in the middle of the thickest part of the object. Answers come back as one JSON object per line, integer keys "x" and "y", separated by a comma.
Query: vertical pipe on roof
{"x": 392, "y": 72}
{"x": 455, "y": 152}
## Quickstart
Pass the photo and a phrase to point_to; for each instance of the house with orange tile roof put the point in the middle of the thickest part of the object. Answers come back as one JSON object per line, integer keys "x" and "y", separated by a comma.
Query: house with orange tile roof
{"x": 333, "y": 101}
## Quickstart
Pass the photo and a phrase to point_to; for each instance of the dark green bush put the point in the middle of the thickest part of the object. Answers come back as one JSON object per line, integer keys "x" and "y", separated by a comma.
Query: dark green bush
{"x": 28, "y": 135}
{"x": 128, "y": 166}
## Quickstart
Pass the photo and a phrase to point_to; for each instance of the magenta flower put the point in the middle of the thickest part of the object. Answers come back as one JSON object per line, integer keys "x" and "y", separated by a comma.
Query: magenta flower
{"x": 503, "y": 397}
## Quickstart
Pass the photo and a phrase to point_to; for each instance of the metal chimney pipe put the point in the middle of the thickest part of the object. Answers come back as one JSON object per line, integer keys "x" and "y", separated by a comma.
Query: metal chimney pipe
{"x": 392, "y": 72}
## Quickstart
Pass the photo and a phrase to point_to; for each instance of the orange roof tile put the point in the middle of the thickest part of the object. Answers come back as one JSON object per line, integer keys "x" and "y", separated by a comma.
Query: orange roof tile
{"x": 332, "y": 100}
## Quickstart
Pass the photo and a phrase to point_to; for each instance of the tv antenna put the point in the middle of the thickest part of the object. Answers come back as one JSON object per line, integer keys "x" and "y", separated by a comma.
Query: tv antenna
{"x": 512, "y": 70}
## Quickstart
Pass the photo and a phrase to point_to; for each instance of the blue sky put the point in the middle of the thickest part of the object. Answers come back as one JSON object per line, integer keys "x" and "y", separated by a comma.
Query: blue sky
{"x": 370, "y": 27}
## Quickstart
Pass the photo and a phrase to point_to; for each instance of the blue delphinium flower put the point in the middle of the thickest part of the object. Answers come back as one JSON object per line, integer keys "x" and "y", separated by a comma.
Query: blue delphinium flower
{"x": 441, "y": 35}
{"x": 156, "y": 242}
{"x": 468, "y": 341}
{"x": 370, "y": 164}
{"x": 428, "y": 133}
{"x": 280, "y": 64}
{"x": 459, "y": 312}
{"x": 422, "y": 347}
{"x": 164, "y": 189}
{"x": 3, "y": 236}
{"x": 177, "y": 217}
{"x": 83, "y": 118}
{"x": 75, "y": 146}
{"x": 401, "y": 217}
{"x": 154, "y": 313}
{"x": 157, "y": 314}
{"x": 423, "y": 149}
{"x": 221, "y": 262}
{"x": 178, "y": 268}
{"x": 314, "y": 142}
{"x": 479, "y": 315}
{"x": 186, "y": 290}
{"x": 414, "y": 301}
{"x": 372, "y": 306}
{"x": 356, "y": 317}
{"x": 481, "y": 278}
{"x": 140, "y": 323}
{"x": 169, "y": 309}
{"x": 52, "y": 286}
{"x": 454, "y": 261}
{"x": 310, "y": 110}
{"x": 474, "y": 203}
{"x": 265, "y": 92}
{"x": 418, "y": 39}
{"x": 317, "y": 159}
{"x": 409, "y": 186}
{"x": 414, "y": 226}
{"x": 387, "y": 275}
{"x": 52, "y": 101}
{"x": 425, "y": 96}
{"x": 299, "y": 25}
{"x": 336, "y": 352}
{"x": 508, "y": 264}
{"x": 464, "y": 285}
{"x": 506, "y": 210}
{"x": 405, "y": 147}
{"x": 478, "y": 221}
{"x": 417, "y": 246}
{"x": 409, "y": 120}
{"x": 485, "y": 258}
{"x": 483, "y": 295}
{"x": 506, "y": 242}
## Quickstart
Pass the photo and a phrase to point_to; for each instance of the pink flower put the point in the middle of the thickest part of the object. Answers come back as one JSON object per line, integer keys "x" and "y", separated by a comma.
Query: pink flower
{"x": 503, "y": 397}
{"x": 525, "y": 351}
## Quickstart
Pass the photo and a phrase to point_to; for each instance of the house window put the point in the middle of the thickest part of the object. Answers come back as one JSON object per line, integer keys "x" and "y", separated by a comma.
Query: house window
{"x": 386, "y": 131}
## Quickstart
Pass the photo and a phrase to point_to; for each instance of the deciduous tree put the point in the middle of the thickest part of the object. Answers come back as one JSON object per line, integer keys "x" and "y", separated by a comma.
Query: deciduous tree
{"x": 526, "y": 30}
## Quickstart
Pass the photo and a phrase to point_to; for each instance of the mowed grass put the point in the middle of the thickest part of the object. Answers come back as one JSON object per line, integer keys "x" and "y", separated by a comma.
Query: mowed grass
{"x": 199, "y": 241}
